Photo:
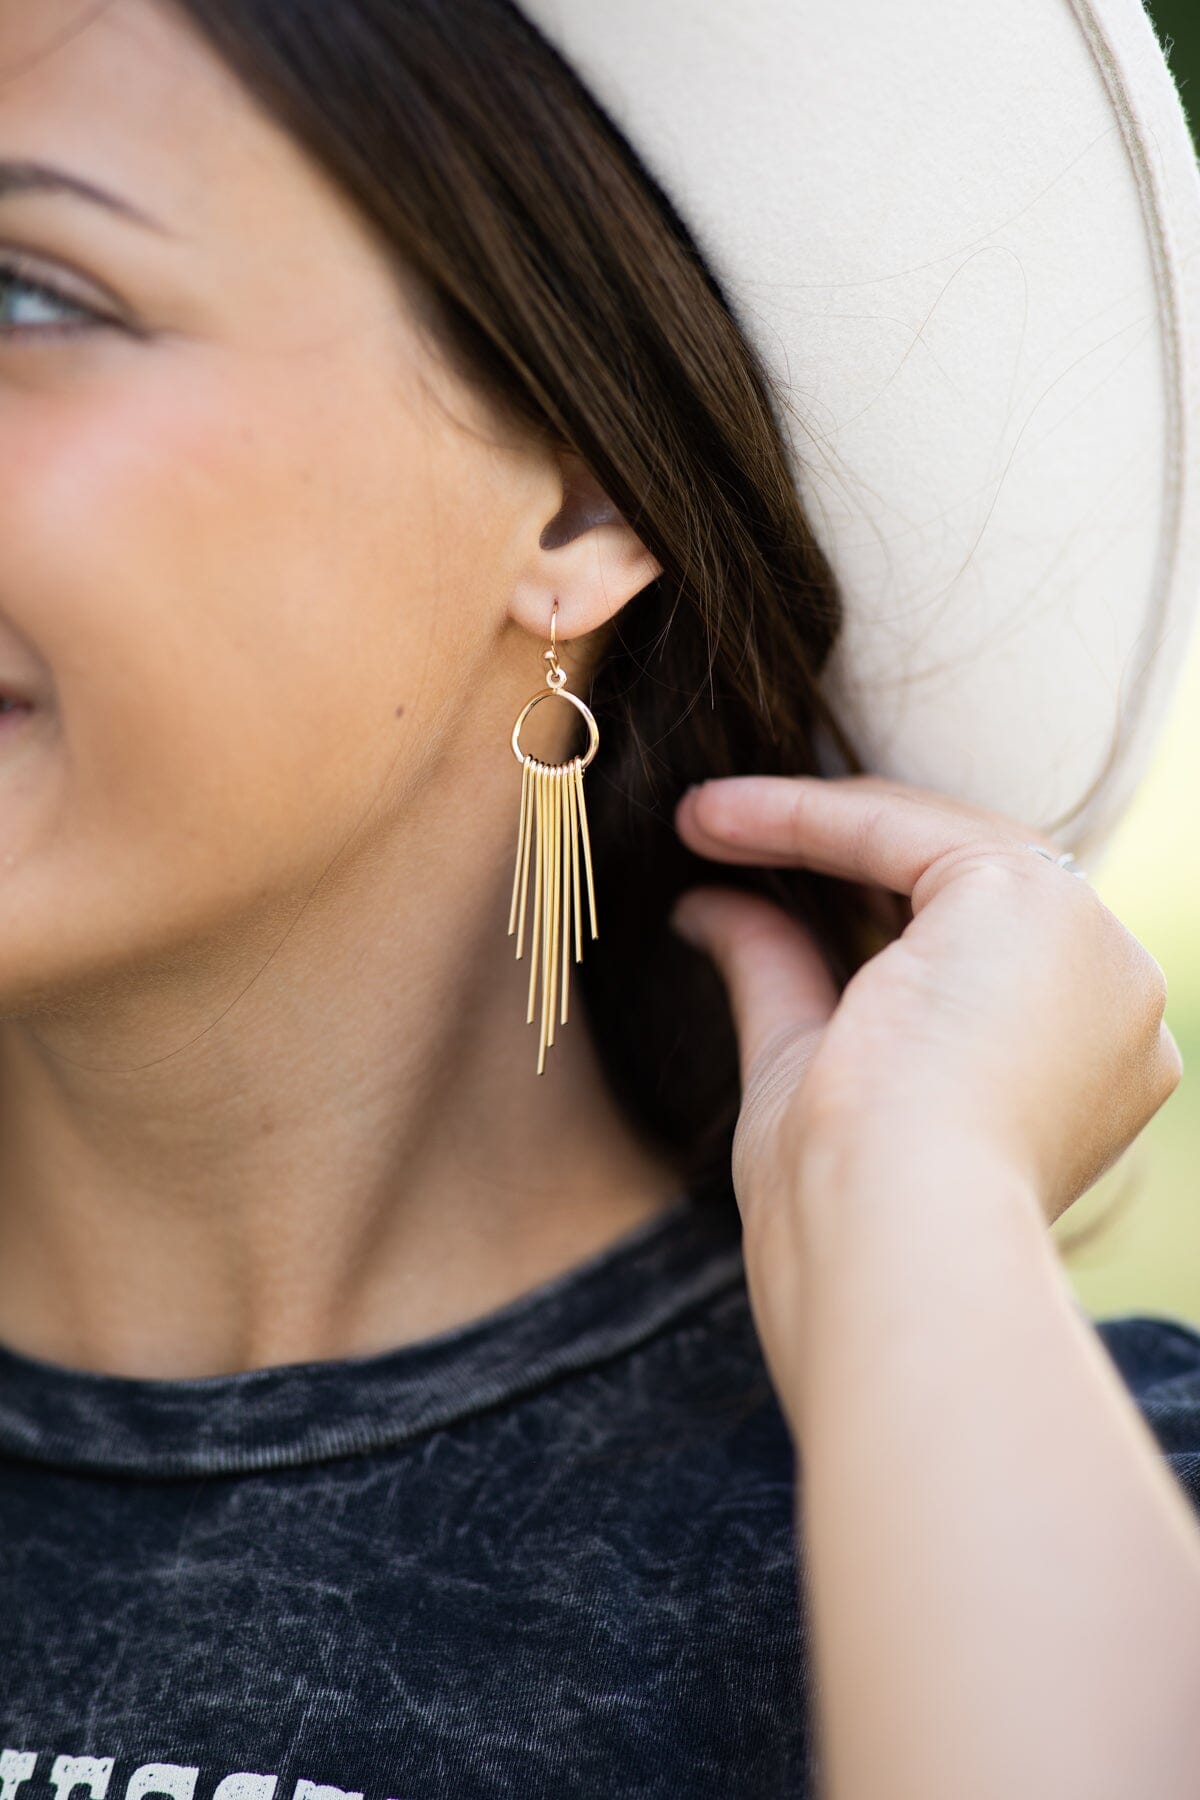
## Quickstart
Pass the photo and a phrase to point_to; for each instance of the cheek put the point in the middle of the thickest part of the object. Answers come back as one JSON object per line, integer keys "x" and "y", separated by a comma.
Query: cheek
{"x": 231, "y": 587}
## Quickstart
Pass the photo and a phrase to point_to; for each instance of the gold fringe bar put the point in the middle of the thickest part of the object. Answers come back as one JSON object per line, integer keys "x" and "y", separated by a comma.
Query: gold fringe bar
{"x": 551, "y": 946}
{"x": 553, "y": 820}
{"x": 587, "y": 847}
{"x": 573, "y": 790}
{"x": 544, "y": 876}
{"x": 521, "y": 872}
{"x": 564, "y": 850}
{"x": 537, "y": 892}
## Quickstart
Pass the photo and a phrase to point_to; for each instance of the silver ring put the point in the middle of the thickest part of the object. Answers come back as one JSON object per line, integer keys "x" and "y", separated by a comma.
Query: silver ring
{"x": 1065, "y": 860}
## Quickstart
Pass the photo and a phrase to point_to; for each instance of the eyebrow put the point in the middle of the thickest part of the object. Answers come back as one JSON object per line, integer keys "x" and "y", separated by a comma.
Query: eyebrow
{"x": 24, "y": 177}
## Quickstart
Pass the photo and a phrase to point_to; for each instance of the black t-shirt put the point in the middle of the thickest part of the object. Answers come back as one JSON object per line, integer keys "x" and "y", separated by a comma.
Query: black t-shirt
{"x": 547, "y": 1553}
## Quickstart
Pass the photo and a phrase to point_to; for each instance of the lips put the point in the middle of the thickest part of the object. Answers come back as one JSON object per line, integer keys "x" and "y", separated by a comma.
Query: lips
{"x": 14, "y": 703}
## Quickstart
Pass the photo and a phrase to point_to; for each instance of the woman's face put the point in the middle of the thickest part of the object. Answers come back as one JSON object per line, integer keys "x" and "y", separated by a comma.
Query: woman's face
{"x": 252, "y": 566}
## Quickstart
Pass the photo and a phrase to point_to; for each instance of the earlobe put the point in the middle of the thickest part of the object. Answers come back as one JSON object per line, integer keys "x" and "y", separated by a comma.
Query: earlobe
{"x": 587, "y": 555}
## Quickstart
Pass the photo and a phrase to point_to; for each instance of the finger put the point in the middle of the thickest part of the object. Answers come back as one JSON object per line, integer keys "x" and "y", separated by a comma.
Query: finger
{"x": 862, "y": 828}
{"x": 777, "y": 980}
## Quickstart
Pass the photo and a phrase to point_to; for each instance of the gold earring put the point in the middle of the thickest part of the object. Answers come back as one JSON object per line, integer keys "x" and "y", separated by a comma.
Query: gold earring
{"x": 552, "y": 801}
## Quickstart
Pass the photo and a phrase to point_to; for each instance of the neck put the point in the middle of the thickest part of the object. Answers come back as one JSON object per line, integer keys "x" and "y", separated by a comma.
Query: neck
{"x": 321, "y": 1135}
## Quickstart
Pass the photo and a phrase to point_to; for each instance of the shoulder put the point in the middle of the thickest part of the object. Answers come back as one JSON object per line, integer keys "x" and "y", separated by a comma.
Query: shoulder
{"x": 1158, "y": 1359}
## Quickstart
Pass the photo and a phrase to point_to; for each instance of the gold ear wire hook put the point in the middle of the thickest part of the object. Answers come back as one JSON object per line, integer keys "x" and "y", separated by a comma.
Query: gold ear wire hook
{"x": 556, "y": 675}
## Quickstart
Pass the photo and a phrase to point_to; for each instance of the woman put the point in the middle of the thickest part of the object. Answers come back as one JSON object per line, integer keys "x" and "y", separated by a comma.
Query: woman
{"x": 378, "y": 1417}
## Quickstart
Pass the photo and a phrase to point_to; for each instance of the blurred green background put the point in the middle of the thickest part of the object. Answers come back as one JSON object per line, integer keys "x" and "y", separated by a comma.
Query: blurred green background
{"x": 1137, "y": 1232}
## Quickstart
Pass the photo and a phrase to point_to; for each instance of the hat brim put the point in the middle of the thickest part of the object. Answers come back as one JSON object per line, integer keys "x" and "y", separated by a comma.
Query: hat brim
{"x": 965, "y": 243}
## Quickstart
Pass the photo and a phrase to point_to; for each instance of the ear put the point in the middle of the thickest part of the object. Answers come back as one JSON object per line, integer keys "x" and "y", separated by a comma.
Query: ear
{"x": 587, "y": 557}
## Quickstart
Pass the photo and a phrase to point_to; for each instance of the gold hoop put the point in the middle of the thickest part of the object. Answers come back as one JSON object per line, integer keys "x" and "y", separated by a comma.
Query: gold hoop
{"x": 549, "y": 694}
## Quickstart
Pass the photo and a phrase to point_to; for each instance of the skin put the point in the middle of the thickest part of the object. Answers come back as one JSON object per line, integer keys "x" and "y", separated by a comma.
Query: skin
{"x": 273, "y": 576}
{"x": 1003, "y": 1575}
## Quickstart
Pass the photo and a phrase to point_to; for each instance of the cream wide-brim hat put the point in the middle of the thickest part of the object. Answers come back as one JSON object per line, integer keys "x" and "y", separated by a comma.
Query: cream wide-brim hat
{"x": 964, "y": 241}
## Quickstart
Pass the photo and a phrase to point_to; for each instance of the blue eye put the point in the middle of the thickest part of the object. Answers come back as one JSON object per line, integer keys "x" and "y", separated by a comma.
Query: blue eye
{"x": 14, "y": 280}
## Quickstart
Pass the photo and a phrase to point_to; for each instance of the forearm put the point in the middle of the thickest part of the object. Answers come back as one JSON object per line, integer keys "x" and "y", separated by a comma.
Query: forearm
{"x": 1002, "y": 1575}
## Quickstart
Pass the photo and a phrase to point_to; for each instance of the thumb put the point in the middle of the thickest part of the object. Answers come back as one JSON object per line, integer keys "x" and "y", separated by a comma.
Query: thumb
{"x": 778, "y": 983}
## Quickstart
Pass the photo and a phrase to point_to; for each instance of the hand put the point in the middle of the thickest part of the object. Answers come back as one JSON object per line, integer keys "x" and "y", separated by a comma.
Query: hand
{"x": 1014, "y": 1012}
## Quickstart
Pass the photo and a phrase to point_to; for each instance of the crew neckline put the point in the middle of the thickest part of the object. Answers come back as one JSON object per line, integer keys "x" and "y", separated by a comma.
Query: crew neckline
{"x": 293, "y": 1413}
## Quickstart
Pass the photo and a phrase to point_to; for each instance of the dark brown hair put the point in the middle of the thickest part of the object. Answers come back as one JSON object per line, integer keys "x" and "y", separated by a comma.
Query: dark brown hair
{"x": 557, "y": 274}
